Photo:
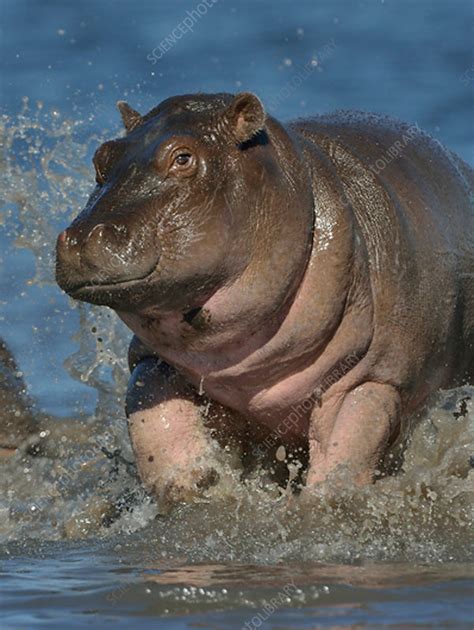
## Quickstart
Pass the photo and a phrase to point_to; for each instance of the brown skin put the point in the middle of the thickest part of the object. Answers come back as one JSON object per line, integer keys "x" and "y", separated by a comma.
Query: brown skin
{"x": 17, "y": 422}
{"x": 307, "y": 293}
{"x": 23, "y": 428}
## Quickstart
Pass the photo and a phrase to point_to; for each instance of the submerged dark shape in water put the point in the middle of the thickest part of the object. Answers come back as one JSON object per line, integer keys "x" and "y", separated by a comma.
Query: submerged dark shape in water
{"x": 17, "y": 422}
{"x": 24, "y": 429}
{"x": 313, "y": 280}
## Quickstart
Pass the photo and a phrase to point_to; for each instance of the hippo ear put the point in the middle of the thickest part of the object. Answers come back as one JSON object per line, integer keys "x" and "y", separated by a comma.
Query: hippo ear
{"x": 245, "y": 117}
{"x": 130, "y": 117}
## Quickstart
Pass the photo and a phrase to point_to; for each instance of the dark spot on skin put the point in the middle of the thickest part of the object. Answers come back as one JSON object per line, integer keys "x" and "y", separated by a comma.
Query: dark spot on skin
{"x": 190, "y": 315}
{"x": 151, "y": 458}
{"x": 143, "y": 419}
{"x": 198, "y": 318}
{"x": 210, "y": 478}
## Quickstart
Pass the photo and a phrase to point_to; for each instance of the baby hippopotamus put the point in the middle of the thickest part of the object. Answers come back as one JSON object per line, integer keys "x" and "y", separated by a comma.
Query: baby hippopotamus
{"x": 297, "y": 289}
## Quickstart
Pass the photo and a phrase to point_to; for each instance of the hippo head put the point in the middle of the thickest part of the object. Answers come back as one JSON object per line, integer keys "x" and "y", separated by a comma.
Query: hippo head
{"x": 177, "y": 206}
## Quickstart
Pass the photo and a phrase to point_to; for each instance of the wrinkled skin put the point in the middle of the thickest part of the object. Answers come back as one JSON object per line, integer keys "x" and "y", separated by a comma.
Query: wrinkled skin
{"x": 312, "y": 299}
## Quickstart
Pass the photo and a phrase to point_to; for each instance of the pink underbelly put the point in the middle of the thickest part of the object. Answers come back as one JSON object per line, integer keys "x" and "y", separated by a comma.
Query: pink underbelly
{"x": 275, "y": 407}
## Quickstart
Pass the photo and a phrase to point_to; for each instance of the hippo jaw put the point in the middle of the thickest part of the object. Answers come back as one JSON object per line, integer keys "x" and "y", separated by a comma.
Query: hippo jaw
{"x": 112, "y": 294}
{"x": 155, "y": 283}
{"x": 139, "y": 294}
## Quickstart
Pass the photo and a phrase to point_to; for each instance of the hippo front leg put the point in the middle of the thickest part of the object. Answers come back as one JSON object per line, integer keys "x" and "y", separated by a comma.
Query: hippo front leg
{"x": 175, "y": 454}
{"x": 353, "y": 430}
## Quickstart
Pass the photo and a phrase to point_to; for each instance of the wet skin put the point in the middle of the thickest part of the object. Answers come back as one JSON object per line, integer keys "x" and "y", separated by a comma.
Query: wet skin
{"x": 312, "y": 295}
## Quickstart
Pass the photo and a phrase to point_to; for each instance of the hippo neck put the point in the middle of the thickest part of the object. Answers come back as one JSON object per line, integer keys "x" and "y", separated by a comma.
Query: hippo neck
{"x": 321, "y": 323}
{"x": 257, "y": 301}
{"x": 321, "y": 285}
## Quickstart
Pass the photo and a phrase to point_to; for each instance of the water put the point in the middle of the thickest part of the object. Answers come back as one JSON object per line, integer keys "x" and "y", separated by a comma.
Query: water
{"x": 81, "y": 542}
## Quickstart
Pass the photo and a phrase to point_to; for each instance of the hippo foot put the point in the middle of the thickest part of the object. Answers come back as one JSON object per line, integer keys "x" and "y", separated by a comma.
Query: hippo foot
{"x": 184, "y": 490}
{"x": 177, "y": 458}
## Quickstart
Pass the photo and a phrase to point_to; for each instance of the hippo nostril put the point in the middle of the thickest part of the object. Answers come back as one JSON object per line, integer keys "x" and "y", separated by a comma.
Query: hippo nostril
{"x": 109, "y": 232}
{"x": 97, "y": 233}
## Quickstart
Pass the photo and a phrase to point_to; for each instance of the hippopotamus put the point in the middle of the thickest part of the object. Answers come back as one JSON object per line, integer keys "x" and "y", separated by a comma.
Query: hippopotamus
{"x": 299, "y": 288}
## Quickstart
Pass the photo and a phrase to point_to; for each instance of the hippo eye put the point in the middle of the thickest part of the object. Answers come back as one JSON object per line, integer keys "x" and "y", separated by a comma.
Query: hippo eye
{"x": 183, "y": 159}
{"x": 183, "y": 162}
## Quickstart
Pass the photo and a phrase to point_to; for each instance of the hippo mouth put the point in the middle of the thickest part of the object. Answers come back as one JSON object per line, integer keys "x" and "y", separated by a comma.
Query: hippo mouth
{"x": 112, "y": 292}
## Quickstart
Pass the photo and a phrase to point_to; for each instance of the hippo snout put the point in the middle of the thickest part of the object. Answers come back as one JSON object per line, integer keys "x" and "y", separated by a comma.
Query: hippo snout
{"x": 90, "y": 259}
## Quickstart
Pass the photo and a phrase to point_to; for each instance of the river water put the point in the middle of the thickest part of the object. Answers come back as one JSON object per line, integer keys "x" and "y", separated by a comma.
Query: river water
{"x": 81, "y": 543}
